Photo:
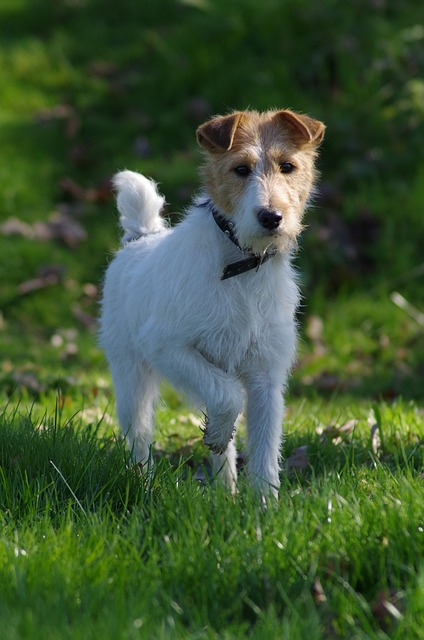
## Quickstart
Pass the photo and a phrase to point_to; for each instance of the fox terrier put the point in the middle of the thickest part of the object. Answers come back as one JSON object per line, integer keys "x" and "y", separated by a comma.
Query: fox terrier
{"x": 210, "y": 304}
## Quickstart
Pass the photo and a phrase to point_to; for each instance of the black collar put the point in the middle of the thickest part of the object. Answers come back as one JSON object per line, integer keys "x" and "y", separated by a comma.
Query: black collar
{"x": 251, "y": 261}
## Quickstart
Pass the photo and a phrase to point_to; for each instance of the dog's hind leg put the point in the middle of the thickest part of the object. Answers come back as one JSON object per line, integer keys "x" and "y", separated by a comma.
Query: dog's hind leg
{"x": 136, "y": 394}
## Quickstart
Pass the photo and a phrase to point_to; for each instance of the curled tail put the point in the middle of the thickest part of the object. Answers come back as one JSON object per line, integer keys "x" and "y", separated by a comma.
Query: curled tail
{"x": 139, "y": 205}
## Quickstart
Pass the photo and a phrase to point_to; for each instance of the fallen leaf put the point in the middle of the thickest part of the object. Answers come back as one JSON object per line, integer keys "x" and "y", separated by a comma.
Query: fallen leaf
{"x": 29, "y": 286}
{"x": 328, "y": 382}
{"x": 387, "y": 608}
{"x": 60, "y": 112}
{"x": 375, "y": 440}
{"x": 406, "y": 306}
{"x": 348, "y": 427}
{"x": 339, "y": 433}
{"x": 29, "y": 381}
{"x": 47, "y": 276}
{"x": 314, "y": 330}
{"x": 91, "y": 290}
{"x": 63, "y": 227}
{"x": 86, "y": 319}
{"x": 102, "y": 68}
{"x": 318, "y": 592}
{"x": 57, "y": 112}
{"x": 299, "y": 459}
{"x": 16, "y": 227}
{"x": 60, "y": 226}
{"x": 99, "y": 193}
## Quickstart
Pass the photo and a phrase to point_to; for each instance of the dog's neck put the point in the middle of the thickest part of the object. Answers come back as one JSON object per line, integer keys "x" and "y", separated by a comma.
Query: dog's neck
{"x": 251, "y": 260}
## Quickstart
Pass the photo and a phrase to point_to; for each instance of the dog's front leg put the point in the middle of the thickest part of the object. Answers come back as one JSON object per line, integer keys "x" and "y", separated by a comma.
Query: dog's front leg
{"x": 264, "y": 412}
{"x": 188, "y": 370}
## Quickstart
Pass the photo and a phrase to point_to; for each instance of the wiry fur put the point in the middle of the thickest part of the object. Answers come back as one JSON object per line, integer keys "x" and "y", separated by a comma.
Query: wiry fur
{"x": 139, "y": 204}
{"x": 166, "y": 313}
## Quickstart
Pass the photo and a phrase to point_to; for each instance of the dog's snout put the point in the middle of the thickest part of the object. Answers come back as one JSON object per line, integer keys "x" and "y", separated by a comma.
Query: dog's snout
{"x": 269, "y": 219}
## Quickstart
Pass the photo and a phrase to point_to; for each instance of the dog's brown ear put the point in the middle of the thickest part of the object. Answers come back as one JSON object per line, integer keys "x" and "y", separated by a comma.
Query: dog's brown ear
{"x": 217, "y": 135}
{"x": 305, "y": 130}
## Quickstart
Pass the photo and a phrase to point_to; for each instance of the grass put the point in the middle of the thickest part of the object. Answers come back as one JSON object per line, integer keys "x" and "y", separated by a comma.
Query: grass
{"x": 89, "y": 547}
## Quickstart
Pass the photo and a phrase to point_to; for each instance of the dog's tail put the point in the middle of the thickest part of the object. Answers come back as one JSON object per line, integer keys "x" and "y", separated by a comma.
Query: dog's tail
{"x": 139, "y": 204}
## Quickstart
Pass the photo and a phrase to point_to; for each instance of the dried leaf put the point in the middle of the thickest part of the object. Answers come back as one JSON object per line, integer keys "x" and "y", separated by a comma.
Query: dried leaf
{"x": 29, "y": 286}
{"x": 103, "y": 68}
{"x": 86, "y": 319}
{"x": 100, "y": 193}
{"x": 375, "y": 440}
{"x": 29, "y": 381}
{"x": 299, "y": 460}
{"x": 349, "y": 426}
{"x": 318, "y": 592}
{"x": 406, "y": 306}
{"x": 387, "y": 608}
{"x": 16, "y": 227}
{"x": 58, "y": 112}
{"x": 60, "y": 226}
{"x": 339, "y": 433}
{"x": 314, "y": 331}
{"x": 91, "y": 290}
{"x": 327, "y": 382}
{"x": 47, "y": 276}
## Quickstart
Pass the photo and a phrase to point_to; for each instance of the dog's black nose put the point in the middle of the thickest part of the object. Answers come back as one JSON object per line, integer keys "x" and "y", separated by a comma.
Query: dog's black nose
{"x": 269, "y": 219}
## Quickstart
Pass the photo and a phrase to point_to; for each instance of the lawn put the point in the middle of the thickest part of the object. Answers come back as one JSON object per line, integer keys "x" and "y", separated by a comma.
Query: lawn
{"x": 89, "y": 546}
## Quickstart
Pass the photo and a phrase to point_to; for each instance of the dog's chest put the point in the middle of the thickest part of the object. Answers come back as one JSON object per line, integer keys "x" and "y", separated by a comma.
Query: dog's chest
{"x": 239, "y": 326}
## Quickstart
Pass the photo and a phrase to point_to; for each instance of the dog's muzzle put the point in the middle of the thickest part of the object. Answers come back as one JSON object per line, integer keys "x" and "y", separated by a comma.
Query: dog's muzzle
{"x": 269, "y": 219}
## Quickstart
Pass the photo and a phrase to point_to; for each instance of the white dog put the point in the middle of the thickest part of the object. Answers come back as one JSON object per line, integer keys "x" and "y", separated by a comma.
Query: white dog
{"x": 210, "y": 304}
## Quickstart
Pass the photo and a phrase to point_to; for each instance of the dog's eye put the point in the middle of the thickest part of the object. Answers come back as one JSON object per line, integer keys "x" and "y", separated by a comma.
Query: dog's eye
{"x": 242, "y": 170}
{"x": 287, "y": 167}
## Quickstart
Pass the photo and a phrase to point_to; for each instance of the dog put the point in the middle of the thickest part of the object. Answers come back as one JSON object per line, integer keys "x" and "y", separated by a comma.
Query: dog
{"x": 210, "y": 304}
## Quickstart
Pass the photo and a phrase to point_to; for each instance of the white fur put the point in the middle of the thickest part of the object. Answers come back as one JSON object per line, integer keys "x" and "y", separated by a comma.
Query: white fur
{"x": 139, "y": 204}
{"x": 227, "y": 344}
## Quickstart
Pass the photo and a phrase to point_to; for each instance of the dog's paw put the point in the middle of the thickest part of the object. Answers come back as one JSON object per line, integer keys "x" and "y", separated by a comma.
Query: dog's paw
{"x": 216, "y": 444}
{"x": 215, "y": 447}
{"x": 218, "y": 431}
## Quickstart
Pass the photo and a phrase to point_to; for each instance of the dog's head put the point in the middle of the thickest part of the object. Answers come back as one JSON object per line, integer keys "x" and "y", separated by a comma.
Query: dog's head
{"x": 260, "y": 171}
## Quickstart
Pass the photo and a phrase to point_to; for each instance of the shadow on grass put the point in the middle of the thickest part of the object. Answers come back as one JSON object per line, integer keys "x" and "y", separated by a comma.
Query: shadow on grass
{"x": 52, "y": 466}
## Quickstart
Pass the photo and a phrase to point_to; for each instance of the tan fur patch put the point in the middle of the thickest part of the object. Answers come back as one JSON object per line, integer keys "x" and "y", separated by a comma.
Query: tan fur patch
{"x": 262, "y": 142}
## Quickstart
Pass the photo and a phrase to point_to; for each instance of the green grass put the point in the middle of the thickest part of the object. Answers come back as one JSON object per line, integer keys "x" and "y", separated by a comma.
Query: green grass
{"x": 90, "y": 548}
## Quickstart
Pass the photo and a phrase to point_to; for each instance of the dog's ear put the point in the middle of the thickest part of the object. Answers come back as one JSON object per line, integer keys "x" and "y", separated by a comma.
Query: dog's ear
{"x": 304, "y": 130}
{"x": 217, "y": 135}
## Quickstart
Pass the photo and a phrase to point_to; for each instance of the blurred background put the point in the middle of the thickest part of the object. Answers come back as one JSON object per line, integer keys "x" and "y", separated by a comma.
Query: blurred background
{"x": 89, "y": 87}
